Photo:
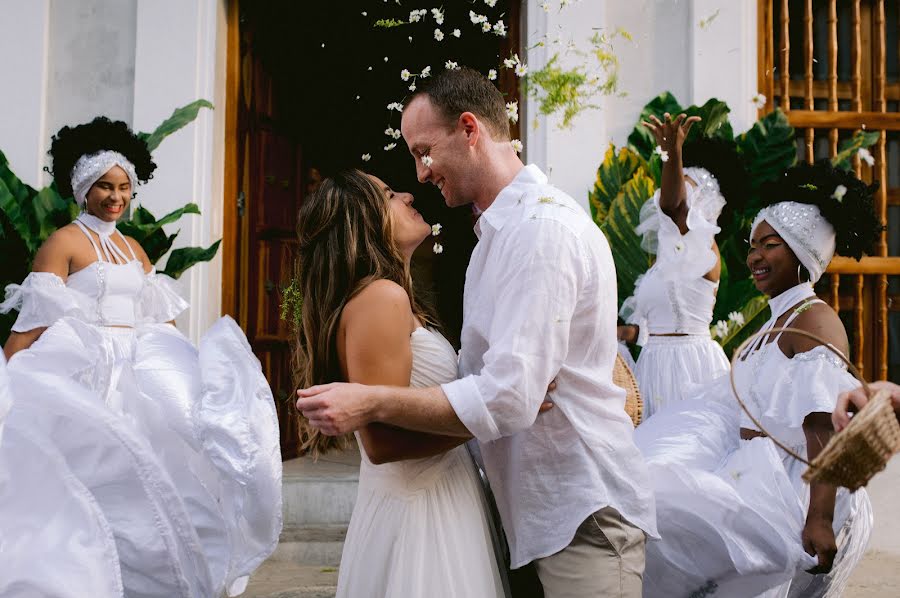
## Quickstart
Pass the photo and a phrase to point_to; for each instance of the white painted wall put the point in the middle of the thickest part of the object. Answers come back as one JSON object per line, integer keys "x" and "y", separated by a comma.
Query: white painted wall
{"x": 91, "y": 62}
{"x": 669, "y": 51}
{"x": 23, "y": 103}
{"x": 177, "y": 61}
{"x": 131, "y": 60}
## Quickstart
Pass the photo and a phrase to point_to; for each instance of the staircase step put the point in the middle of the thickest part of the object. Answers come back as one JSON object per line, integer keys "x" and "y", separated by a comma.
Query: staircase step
{"x": 322, "y": 492}
{"x": 287, "y": 580}
{"x": 318, "y": 545}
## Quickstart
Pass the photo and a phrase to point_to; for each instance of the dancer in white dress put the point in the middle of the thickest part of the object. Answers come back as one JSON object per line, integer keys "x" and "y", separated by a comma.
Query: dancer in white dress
{"x": 670, "y": 312}
{"x": 178, "y": 447}
{"x": 735, "y": 516}
{"x": 420, "y": 526}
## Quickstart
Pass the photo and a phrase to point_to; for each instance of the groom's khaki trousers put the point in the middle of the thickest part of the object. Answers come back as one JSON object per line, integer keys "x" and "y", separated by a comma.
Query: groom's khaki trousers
{"x": 605, "y": 558}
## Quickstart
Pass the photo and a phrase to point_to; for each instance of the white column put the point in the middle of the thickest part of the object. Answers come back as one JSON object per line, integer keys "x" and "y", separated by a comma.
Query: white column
{"x": 569, "y": 156}
{"x": 23, "y": 103}
{"x": 179, "y": 59}
{"x": 724, "y": 55}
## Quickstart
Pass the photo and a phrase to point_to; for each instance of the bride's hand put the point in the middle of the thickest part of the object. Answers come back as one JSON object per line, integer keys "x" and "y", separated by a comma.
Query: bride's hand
{"x": 547, "y": 405}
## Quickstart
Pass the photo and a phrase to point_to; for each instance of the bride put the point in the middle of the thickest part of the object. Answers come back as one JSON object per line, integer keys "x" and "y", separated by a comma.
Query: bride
{"x": 177, "y": 447}
{"x": 419, "y": 527}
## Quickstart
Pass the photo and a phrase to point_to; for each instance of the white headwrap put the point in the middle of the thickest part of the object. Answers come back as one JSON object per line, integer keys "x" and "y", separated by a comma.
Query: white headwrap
{"x": 90, "y": 167}
{"x": 802, "y": 226}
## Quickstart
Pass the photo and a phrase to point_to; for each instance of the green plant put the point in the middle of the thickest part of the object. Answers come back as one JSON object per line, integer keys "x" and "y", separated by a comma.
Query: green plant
{"x": 28, "y": 217}
{"x": 625, "y": 180}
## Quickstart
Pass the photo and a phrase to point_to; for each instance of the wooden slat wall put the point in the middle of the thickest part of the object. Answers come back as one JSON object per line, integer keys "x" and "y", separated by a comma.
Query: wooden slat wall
{"x": 865, "y": 283}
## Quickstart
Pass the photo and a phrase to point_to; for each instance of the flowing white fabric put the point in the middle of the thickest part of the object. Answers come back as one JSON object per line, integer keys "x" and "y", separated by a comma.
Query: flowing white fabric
{"x": 731, "y": 512}
{"x": 55, "y": 540}
{"x": 179, "y": 447}
{"x": 419, "y": 527}
{"x": 673, "y": 297}
{"x": 669, "y": 367}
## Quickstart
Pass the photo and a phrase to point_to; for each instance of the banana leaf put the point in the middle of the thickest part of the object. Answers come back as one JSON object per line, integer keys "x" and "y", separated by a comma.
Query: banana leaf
{"x": 179, "y": 119}
{"x": 185, "y": 257}
{"x": 613, "y": 173}
{"x": 624, "y": 214}
{"x": 860, "y": 140}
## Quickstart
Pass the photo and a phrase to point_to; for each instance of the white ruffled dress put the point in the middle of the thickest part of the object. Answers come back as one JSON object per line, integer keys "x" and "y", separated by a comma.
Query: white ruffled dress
{"x": 420, "y": 527}
{"x": 731, "y": 512}
{"x": 162, "y": 461}
{"x": 674, "y": 297}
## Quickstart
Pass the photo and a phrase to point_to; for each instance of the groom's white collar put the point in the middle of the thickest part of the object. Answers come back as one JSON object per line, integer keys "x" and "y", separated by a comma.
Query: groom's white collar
{"x": 499, "y": 211}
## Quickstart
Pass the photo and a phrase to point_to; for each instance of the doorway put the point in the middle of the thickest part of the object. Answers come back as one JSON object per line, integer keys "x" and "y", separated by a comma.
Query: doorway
{"x": 308, "y": 85}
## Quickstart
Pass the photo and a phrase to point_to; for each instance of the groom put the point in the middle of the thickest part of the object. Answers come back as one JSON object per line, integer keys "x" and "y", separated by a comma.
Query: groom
{"x": 540, "y": 302}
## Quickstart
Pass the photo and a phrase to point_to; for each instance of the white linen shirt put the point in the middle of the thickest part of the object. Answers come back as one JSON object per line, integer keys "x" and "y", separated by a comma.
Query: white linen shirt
{"x": 540, "y": 303}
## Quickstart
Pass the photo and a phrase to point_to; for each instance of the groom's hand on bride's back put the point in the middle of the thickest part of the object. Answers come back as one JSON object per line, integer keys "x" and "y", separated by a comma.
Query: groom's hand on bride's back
{"x": 548, "y": 405}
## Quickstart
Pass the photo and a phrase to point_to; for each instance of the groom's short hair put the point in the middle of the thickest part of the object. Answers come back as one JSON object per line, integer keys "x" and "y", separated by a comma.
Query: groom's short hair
{"x": 454, "y": 91}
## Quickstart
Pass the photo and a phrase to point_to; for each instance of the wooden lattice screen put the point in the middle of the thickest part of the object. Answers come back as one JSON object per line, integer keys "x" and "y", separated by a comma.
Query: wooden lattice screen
{"x": 832, "y": 67}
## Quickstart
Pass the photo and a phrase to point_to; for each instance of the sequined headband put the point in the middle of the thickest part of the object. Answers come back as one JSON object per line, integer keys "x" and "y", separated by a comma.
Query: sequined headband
{"x": 90, "y": 167}
{"x": 802, "y": 226}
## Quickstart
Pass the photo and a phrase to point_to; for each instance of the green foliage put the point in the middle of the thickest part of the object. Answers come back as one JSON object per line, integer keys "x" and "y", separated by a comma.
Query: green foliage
{"x": 624, "y": 214}
{"x": 292, "y": 304}
{"x": 612, "y": 174}
{"x": 860, "y": 140}
{"x": 571, "y": 90}
{"x": 625, "y": 179}
{"x": 183, "y": 258}
{"x": 389, "y": 23}
{"x": 714, "y": 123}
{"x": 179, "y": 119}
{"x": 28, "y": 217}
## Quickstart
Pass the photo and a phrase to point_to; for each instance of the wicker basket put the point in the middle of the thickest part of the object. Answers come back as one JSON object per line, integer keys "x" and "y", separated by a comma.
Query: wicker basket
{"x": 624, "y": 378}
{"x": 862, "y": 449}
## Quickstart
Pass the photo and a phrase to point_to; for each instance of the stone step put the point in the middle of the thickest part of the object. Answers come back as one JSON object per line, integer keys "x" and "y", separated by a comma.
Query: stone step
{"x": 285, "y": 580}
{"x": 316, "y": 545}
{"x": 322, "y": 492}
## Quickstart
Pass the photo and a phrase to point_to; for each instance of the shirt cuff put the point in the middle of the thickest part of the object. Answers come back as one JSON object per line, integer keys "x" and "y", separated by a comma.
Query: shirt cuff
{"x": 467, "y": 402}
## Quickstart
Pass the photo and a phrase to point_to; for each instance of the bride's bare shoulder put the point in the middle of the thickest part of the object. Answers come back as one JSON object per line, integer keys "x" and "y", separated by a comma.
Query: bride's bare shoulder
{"x": 381, "y": 302}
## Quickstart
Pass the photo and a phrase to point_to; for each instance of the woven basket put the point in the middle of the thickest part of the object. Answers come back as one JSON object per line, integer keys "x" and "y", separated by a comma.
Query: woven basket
{"x": 624, "y": 378}
{"x": 862, "y": 449}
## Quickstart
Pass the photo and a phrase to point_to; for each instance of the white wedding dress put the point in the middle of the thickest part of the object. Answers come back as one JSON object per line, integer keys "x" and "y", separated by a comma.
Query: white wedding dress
{"x": 167, "y": 456}
{"x": 420, "y": 527}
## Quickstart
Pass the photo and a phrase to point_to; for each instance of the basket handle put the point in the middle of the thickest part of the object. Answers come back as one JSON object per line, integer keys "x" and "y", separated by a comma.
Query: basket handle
{"x": 809, "y": 335}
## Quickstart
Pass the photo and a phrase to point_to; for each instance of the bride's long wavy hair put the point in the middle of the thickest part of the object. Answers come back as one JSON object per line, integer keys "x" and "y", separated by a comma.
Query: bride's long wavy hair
{"x": 345, "y": 243}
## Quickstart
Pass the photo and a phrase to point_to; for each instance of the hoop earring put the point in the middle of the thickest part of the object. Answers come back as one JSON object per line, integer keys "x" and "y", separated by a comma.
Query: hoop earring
{"x": 799, "y": 281}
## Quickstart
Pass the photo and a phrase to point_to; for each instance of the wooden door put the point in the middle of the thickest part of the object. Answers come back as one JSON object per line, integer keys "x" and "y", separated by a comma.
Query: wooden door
{"x": 263, "y": 193}
{"x": 827, "y": 65}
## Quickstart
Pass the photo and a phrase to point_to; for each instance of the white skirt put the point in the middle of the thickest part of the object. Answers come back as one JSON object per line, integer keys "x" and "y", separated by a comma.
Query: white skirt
{"x": 177, "y": 446}
{"x": 731, "y": 512}
{"x": 669, "y": 366}
{"x": 419, "y": 529}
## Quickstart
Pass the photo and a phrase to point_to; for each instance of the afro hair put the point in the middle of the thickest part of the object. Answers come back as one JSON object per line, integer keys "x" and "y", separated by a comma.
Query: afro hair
{"x": 71, "y": 143}
{"x": 851, "y": 213}
{"x": 721, "y": 159}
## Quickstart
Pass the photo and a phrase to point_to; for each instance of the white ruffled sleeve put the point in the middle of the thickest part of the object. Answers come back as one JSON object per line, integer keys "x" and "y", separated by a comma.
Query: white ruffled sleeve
{"x": 161, "y": 299}
{"x": 42, "y": 299}
{"x": 690, "y": 255}
{"x": 810, "y": 383}
{"x": 633, "y": 312}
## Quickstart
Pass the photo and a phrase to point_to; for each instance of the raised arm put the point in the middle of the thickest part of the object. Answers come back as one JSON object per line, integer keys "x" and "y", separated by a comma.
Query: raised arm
{"x": 670, "y": 136}
{"x": 374, "y": 348}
